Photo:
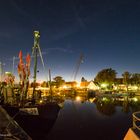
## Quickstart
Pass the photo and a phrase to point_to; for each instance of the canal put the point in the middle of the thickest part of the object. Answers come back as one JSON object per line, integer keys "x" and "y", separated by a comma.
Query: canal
{"x": 83, "y": 120}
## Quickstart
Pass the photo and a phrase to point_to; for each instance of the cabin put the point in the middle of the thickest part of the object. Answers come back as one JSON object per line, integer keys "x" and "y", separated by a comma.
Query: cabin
{"x": 92, "y": 86}
{"x": 84, "y": 84}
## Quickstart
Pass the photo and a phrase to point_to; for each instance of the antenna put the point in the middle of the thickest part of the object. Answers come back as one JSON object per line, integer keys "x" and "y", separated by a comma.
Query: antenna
{"x": 35, "y": 50}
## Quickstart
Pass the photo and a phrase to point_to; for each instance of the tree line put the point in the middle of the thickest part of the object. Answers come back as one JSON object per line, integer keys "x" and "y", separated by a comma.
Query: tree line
{"x": 109, "y": 76}
{"x": 106, "y": 76}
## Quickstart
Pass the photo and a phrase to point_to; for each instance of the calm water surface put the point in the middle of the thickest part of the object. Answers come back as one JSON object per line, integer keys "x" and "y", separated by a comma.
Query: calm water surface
{"x": 83, "y": 121}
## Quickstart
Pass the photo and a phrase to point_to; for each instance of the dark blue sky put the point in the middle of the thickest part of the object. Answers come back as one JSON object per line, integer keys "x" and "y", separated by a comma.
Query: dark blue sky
{"x": 107, "y": 32}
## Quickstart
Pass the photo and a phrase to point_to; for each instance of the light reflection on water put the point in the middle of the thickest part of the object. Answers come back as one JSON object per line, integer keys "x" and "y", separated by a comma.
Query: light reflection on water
{"x": 83, "y": 120}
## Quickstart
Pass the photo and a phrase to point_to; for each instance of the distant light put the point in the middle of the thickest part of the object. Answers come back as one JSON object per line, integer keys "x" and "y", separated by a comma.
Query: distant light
{"x": 104, "y": 99}
{"x": 104, "y": 85}
{"x": 78, "y": 85}
{"x": 135, "y": 99}
{"x": 134, "y": 87}
{"x": 41, "y": 101}
{"x": 91, "y": 100}
{"x": 78, "y": 98}
{"x": 8, "y": 73}
{"x": 64, "y": 87}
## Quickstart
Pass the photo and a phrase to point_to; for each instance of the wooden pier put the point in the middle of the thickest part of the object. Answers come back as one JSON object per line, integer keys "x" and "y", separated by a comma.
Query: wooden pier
{"x": 134, "y": 132}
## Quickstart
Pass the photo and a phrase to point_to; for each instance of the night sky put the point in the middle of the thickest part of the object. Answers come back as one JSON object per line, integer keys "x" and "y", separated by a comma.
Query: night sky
{"x": 107, "y": 32}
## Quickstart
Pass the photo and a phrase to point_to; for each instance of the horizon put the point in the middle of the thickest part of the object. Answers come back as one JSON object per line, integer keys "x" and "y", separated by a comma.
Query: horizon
{"x": 106, "y": 33}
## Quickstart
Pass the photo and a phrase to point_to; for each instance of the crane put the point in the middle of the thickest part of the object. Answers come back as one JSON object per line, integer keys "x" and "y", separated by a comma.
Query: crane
{"x": 80, "y": 60}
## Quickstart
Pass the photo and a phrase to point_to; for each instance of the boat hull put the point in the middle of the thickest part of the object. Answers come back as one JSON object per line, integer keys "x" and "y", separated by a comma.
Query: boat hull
{"x": 36, "y": 126}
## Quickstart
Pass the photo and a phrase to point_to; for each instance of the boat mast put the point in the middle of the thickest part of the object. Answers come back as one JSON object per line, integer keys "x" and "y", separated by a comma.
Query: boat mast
{"x": 35, "y": 52}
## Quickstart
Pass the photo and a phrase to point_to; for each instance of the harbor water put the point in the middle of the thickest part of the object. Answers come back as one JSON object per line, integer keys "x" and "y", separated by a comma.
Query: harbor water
{"x": 85, "y": 121}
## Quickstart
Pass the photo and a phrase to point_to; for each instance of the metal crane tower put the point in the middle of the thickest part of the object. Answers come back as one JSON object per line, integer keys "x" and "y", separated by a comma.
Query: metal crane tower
{"x": 80, "y": 60}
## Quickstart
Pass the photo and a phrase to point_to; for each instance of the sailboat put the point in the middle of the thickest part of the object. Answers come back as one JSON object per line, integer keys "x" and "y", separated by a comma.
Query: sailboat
{"x": 35, "y": 119}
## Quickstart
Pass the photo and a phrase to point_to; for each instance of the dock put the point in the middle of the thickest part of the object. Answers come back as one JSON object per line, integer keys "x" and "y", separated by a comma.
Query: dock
{"x": 134, "y": 132}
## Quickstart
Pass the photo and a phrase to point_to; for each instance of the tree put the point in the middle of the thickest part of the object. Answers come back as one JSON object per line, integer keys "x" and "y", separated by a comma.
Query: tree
{"x": 106, "y": 76}
{"x": 44, "y": 84}
{"x": 36, "y": 84}
{"x": 126, "y": 79}
{"x": 58, "y": 81}
{"x": 135, "y": 79}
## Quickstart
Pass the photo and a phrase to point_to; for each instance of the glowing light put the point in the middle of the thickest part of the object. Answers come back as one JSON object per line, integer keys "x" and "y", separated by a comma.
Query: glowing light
{"x": 78, "y": 85}
{"x": 134, "y": 87}
{"x": 8, "y": 73}
{"x": 91, "y": 100}
{"x": 64, "y": 87}
{"x": 104, "y": 85}
{"x": 40, "y": 101}
{"x": 115, "y": 87}
{"x": 78, "y": 98}
{"x": 104, "y": 99}
{"x": 135, "y": 99}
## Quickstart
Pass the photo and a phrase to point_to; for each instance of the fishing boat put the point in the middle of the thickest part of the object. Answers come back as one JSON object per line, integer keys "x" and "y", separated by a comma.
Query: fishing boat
{"x": 35, "y": 118}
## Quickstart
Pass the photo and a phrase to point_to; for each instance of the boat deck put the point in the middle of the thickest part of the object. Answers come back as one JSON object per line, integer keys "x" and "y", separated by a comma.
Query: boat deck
{"x": 9, "y": 129}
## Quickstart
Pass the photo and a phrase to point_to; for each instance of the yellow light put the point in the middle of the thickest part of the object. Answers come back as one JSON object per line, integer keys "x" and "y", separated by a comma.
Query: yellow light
{"x": 40, "y": 101}
{"x": 135, "y": 87}
{"x": 91, "y": 100}
{"x": 78, "y": 85}
{"x": 104, "y": 99}
{"x": 78, "y": 98}
{"x": 64, "y": 87}
{"x": 104, "y": 85}
{"x": 135, "y": 99}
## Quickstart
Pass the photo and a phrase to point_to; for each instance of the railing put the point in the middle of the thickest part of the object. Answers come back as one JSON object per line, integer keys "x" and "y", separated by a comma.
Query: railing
{"x": 136, "y": 120}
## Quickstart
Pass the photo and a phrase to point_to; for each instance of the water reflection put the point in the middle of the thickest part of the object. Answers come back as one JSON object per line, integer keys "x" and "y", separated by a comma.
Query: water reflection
{"x": 107, "y": 104}
{"x": 102, "y": 117}
{"x": 83, "y": 116}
